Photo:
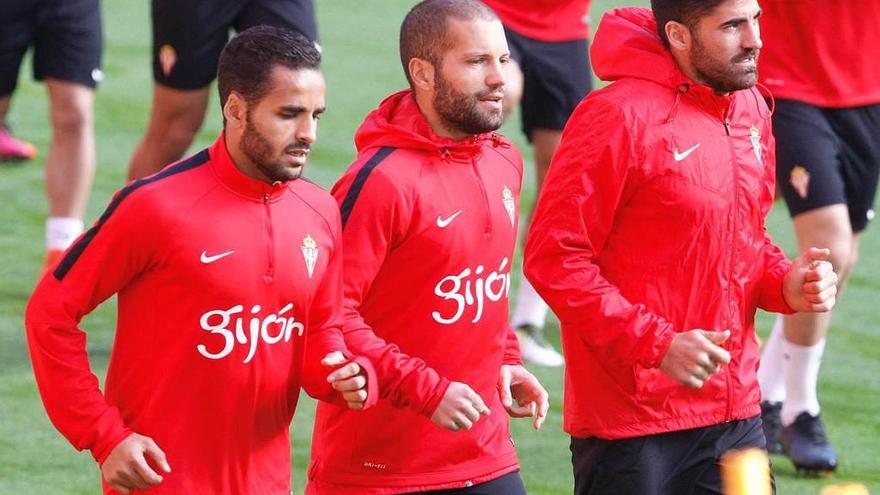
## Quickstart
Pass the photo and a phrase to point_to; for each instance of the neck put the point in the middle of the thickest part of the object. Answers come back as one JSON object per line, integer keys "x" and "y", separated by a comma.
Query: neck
{"x": 426, "y": 107}
{"x": 240, "y": 159}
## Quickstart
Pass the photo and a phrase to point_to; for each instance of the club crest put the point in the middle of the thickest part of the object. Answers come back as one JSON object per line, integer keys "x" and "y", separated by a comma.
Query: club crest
{"x": 756, "y": 143}
{"x": 310, "y": 253}
{"x": 509, "y": 205}
{"x": 800, "y": 181}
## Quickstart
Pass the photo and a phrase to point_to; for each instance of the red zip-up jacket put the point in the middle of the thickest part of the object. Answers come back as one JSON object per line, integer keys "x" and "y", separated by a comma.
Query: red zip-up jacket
{"x": 429, "y": 230}
{"x": 545, "y": 20}
{"x": 229, "y": 296}
{"x": 820, "y": 52}
{"x": 651, "y": 222}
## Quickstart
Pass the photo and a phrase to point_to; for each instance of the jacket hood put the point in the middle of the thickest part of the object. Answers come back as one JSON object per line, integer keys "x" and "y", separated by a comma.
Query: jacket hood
{"x": 399, "y": 123}
{"x": 626, "y": 44}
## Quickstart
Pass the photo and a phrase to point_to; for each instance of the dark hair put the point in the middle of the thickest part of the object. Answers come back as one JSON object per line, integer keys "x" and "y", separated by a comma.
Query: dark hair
{"x": 687, "y": 12}
{"x": 247, "y": 61}
{"x": 423, "y": 33}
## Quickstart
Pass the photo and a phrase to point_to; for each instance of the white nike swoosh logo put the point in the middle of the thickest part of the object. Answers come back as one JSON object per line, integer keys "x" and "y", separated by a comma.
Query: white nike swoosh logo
{"x": 681, "y": 156}
{"x": 210, "y": 259}
{"x": 443, "y": 222}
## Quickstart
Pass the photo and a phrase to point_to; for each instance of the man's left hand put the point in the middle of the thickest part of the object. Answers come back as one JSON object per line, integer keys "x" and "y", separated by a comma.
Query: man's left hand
{"x": 811, "y": 284}
{"x": 515, "y": 383}
{"x": 350, "y": 379}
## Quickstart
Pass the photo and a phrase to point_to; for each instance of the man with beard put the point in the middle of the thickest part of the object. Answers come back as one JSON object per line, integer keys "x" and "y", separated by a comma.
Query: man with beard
{"x": 429, "y": 211}
{"x": 649, "y": 244}
{"x": 827, "y": 125}
{"x": 229, "y": 278}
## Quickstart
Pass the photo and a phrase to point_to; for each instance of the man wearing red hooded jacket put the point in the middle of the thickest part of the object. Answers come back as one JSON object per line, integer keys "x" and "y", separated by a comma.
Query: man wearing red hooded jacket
{"x": 429, "y": 212}
{"x": 649, "y": 244}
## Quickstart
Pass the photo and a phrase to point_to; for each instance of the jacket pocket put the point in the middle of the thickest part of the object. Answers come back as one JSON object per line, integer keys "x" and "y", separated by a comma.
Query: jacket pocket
{"x": 653, "y": 387}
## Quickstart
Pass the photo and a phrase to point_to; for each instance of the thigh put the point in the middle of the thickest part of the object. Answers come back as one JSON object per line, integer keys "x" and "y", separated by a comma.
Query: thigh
{"x": 17, "y": 31}
{"x": 808, "y": 170}
{"x": 736, "y": 435}
{"x": 615, "y": 467}
{"x": 294, "y": 15}
{"x": 188, "y": 36}
{"x": 557, "y": 77}
{"x": 858, "y": 130}
{"x": 69, "y": 42}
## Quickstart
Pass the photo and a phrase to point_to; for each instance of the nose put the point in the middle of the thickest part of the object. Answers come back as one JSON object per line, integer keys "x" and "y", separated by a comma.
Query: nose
{"x": 752, "y": 36}
{"x": 307, "y": 130}
{"x": 495, "y": 75}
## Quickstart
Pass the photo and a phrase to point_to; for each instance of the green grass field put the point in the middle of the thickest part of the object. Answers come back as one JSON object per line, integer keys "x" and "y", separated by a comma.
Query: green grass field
{"x": 359, "y": 39}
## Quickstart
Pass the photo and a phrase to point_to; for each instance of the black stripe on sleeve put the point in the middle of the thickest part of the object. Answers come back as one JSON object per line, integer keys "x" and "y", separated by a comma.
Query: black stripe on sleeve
{"x": 355, "y": 190}
{"x": 76, "y": 251}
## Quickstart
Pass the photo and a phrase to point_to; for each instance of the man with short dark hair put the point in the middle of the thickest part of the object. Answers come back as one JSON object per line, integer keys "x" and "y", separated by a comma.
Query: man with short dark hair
{"x": 649, "y": 244}
{"x": 429, "y": 209}
{"x": 188, "y": 36}
{"x": 228, "y": 272}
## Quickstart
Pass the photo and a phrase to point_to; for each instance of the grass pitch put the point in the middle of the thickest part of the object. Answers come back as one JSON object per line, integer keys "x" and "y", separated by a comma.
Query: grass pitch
{"x": 361, "y": 65}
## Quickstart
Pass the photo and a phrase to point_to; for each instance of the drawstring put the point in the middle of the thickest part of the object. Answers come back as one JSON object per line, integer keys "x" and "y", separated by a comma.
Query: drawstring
{"x": 498, "y": 142}
{"x": 682, "y": 89}
{"x": 769, "y": 94}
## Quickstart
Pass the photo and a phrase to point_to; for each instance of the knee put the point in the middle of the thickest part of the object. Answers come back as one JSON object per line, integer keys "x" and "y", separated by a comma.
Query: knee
{"x": 174, "y": 134}
{"x": 844, "y": 258}
{"x": 71, "y": 118}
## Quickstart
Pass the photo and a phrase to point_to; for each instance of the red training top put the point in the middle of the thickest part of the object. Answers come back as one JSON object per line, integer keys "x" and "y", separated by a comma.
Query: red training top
{"x": 545, "y": 20}
{"x": 429, "y": 230}
{"x": 229, "y": 295}
{"x": 820, "y": 52}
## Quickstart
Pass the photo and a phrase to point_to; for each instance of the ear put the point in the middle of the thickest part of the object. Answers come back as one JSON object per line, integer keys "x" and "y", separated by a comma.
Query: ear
{"x": 235, "y": 110}
{"x": 679, "y": 35}
{"x": 421, "y": 72}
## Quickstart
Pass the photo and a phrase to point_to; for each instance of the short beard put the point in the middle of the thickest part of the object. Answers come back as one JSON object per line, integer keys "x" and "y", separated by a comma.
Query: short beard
{"x": 259, "y": 152}
{"x": 461, "y": 111}
{"x": 724, "y": 79}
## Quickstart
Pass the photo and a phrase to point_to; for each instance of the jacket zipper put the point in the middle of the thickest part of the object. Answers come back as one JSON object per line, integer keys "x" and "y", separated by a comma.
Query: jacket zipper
{"x": 487, "y": 232}
{"x": 270, "y": 268}
{"x": 726, "y": 120}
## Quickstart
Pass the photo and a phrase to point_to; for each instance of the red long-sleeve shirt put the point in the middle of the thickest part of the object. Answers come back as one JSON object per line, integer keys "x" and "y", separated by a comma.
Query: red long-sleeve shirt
{"x": 821, "y": 52}
{"x": 229, "y": 295}
{"x": 430, "y": 227}
{"x": 545, "y": 20}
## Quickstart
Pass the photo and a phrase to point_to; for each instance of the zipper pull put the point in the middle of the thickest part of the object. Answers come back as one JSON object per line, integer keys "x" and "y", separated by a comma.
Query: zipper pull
{"x": 727, "y": 125}
{"x": 266, "y": 198}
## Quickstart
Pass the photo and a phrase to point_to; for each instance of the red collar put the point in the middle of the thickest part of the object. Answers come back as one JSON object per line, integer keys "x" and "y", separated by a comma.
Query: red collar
{"x": 234, "y": 179}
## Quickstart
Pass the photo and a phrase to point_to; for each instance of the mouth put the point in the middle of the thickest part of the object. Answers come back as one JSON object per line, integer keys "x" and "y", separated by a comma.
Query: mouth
{"x": 493, "y": 100}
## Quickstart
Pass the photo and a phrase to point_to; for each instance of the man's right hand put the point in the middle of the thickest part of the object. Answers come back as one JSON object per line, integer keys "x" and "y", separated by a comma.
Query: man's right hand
{"x": 694, "y": 356}
{"x": 460, "y": 408}
{"x": 126, "y": 468}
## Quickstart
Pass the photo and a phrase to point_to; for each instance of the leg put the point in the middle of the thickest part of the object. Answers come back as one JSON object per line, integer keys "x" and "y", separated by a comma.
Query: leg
{"x": 176, "y": 117}
{"x": 70, "y": 165}
{"x": 631, "y": 466}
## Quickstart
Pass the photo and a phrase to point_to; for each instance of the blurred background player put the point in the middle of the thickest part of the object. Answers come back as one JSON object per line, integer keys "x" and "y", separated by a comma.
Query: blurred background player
{"x": 66, "y": 40}
{"x": 826, "y": 82}
{"x": 188, "y": 36}
{"x": 548, "y": 76}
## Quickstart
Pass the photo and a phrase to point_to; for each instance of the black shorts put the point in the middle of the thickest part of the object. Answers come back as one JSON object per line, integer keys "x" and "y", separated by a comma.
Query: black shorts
{"x": 65, "y": 34}
{"x": 556, "y": 77}
{"x": 188, "y": 35}
{"x": 676, "y": 463}
{"x": 509, "y": 484}
{"x": 827, "y": 156}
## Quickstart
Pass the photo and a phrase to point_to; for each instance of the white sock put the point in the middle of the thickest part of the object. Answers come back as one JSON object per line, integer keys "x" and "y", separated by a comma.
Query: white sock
{"x": 771, "y": 372}
{"x": 530, "y": 309}
{"x": 801, "y": 375}
{"x": 62, "y": 231}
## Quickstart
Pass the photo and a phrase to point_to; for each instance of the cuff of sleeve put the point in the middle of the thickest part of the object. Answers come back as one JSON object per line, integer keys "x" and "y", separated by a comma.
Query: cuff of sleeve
{"x": 106, "y": 445}
{"x": 659, "y": 347}
{"x": 431, "y": 405}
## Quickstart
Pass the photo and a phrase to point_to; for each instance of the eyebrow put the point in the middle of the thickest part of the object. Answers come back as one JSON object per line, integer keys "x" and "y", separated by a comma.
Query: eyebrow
{"x": 739, "y": 20}
{"x": 297, "y": 109}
